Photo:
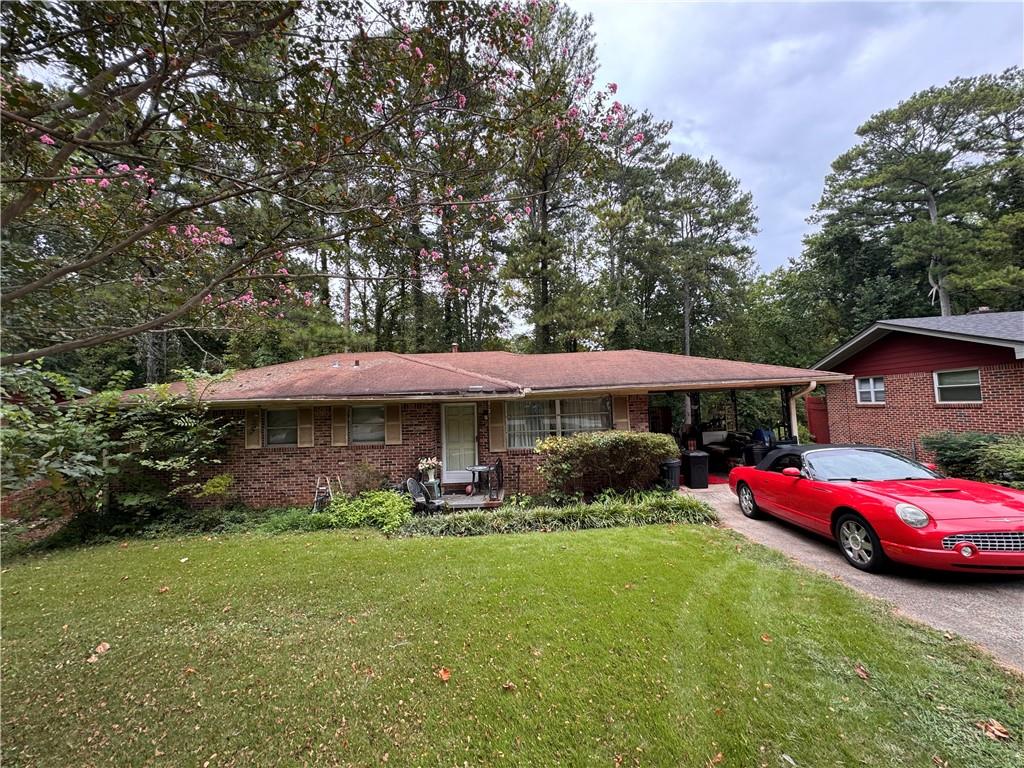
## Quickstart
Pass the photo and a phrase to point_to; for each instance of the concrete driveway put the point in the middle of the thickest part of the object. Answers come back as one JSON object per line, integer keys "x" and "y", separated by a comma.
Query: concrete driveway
{"x": 984, "y": 608}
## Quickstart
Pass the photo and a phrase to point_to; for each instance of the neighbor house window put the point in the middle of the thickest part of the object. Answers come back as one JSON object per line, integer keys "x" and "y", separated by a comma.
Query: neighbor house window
{"x": 958, "y": 386}
{"x": 530, "y": 420}
{"x": 283, "y": 427}
{"x": 871, "y": 390}
{"x": 367, "y": 424}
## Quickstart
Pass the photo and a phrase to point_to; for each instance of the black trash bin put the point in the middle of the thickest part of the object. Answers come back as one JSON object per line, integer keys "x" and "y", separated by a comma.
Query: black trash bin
{"x": 695, "y": 469}
{"x": 670, "y": 474}
{"x": 754, "y": 452}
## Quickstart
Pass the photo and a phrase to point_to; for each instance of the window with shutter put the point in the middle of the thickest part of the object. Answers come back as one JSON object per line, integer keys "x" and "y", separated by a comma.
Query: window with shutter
{"x": 620, "y": 412}
{"x": 339, "y": 425}
{"x": 253, "y": 429}
{"x": 393, "y": 425}
{"x": 305, "y": 430}
{"x": 497, "y": 439}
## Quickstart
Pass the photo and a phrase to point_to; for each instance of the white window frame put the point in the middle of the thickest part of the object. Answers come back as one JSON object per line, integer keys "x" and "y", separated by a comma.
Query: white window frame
{"x": 936, "y": 387}
{"x": 558, "y": 418}
{"x": 266, "y": 428}
{"x": 872, "y": 389}
{"x": 384, "y": 425}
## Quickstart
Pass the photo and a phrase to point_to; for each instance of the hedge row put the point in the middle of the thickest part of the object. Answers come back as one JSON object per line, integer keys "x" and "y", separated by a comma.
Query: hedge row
{"x": 979, "y": 456}
{"x": 652, "y": 508}
{"x": 593, "y": 461}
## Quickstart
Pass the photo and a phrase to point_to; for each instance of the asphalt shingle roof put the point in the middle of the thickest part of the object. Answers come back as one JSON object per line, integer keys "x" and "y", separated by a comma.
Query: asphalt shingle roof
{"x": 384, "y": 375}
{"x": 990, "y": 325}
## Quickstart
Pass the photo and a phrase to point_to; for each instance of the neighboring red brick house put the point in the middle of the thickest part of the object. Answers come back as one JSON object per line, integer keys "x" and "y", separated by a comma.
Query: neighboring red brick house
{"x": 326, "y": 415}
{"x": 916, "y": 376}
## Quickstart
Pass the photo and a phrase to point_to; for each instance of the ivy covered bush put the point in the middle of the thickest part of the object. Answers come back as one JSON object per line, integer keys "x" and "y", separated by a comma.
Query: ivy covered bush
{"x": 591, "y": 462}
{"x": 979, "y": 456}
{"x": 385, "y": 510}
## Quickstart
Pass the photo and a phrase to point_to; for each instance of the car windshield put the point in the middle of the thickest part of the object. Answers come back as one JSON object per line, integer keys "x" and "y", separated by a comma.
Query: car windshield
{"x": 861, "y": 464}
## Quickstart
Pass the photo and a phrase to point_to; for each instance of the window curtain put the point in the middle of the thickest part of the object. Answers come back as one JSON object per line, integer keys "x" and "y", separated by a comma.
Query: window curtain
{"x": 529, "y": 421}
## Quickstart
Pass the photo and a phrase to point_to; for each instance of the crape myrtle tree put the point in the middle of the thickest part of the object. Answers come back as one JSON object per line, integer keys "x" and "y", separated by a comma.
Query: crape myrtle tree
{"x": 163, "y": 161}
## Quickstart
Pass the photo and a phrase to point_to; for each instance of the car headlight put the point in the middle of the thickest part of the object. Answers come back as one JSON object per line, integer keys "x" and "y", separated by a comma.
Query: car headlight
{"x": 912, "y": 516}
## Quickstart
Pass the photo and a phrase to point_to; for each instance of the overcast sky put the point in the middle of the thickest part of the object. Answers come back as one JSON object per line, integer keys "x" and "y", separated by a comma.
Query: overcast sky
{"x": 775, "y": 91}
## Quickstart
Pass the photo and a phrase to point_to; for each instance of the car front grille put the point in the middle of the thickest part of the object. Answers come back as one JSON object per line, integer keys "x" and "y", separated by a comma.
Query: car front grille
{"x": 1002, "y": 541}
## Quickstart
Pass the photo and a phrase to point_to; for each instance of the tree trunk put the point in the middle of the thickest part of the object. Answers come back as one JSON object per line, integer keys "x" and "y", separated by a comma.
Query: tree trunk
{"x": 936, "y": 278}
{"x": 543, "y": 329}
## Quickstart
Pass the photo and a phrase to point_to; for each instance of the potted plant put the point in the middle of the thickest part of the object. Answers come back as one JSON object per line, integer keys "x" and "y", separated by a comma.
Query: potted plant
{"x": 430, "y": 466}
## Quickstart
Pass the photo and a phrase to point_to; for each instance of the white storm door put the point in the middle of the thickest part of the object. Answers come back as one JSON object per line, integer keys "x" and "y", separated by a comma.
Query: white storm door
{"x": 458, "y": 441}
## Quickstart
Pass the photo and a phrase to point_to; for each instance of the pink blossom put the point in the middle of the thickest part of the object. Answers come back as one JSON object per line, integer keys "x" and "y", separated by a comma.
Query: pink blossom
{"x": 613, "y": 87}
{"x": 282, "y": 271}
{"x": 74, "y": 170}
{"x": 604, "y": 135}
{"x": 104, "y": 183}
{"x": 173, "y": 230}
{"x": 418, "y": 53}
{"x": 464, "y": 292}
{"x": 639, "y": 137}
{"x": 122, "y": 167}
{"x": 528, "y": 210}
{"x": 527, "y": 42}
{"x": 460, "y": 99}
{"x": 378, "y": 107}
{"x": 45, "y": 139}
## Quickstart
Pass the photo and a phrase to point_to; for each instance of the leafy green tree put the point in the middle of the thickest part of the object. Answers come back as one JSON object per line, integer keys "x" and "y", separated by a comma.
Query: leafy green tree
{"x": 930, "y": 180}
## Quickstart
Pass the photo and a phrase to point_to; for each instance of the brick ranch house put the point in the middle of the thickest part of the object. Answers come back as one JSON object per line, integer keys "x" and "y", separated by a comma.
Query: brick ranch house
{"x": 326, "y": 415}
{"x": 915, "y": 376}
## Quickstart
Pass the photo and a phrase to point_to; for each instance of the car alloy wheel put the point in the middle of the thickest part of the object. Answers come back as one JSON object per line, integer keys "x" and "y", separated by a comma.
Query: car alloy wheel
{"x": 748, "y": 506}
{"x": 859, "y": 543}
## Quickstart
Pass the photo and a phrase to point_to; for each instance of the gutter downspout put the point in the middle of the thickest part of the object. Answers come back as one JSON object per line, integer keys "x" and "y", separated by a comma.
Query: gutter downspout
{"x": 793, "y": 426}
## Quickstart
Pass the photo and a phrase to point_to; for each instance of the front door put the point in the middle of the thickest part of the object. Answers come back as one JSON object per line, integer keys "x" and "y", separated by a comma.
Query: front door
{"x": 458, "y": 437}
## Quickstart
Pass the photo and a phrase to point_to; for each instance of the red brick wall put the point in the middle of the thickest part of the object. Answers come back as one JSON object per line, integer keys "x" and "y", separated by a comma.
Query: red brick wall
{"x": 910, "y": 409}
{"x": 281, "y": 476}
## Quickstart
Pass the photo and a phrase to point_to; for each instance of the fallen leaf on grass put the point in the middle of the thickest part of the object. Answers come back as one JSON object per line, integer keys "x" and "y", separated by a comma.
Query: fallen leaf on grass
{"x": 444, "y": 674}
{"x": 163, "y": 590}
{"x": 351, "y": 619}
{"x": 994, "y": 730}
{"x": 508, "y": 685}
{"x": 183, "y": 560}
{"x": 788, "y": 759}
{"x": 936, "y": 760}
{"x": 862, "y": 671}
{"x": 100, "y": 649}
{"x": 226, "y": 608}
{"x": 716, "y": 760}
{"x": 189, "y": 671}
{"x": 629, "y": 586}
{"x": 766, "y": 638}
{"x": 123, "y": 545}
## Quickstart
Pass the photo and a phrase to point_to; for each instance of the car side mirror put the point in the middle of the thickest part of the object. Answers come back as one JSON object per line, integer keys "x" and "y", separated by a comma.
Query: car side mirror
{"x": 792, "y": 472}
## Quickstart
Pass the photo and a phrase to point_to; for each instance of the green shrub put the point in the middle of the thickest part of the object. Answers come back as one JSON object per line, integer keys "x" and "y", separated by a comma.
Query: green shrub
{"x": 958, "y": 454}
{"x": 387, "y": 510}
{"x": 651, "y": 508}
{"x": 589, "y": 462}
{"x": 1003, "y": 462}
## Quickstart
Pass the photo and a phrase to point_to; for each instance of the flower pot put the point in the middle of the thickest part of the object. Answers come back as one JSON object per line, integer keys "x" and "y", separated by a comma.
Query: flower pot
{"x": 430, "y": 475}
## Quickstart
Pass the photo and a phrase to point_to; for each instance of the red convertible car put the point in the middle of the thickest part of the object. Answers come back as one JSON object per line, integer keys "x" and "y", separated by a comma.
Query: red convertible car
{"x": 881, "y": 506}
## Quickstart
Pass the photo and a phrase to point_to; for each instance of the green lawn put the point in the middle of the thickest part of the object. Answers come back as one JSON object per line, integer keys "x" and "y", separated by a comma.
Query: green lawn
{"x": 658, "y": 646}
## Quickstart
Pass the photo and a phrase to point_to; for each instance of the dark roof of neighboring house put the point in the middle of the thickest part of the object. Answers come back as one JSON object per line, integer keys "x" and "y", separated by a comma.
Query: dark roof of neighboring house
{"x": 389, "y": 375}
{"x": 1002, "y": 329}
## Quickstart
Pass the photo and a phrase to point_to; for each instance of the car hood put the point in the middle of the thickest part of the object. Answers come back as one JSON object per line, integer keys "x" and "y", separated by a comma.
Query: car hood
{"x": 948, "y": 499}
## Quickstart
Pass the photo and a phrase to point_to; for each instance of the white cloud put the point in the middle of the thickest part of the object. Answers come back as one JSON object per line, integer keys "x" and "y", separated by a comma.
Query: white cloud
{"x": 775, "y": 91}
